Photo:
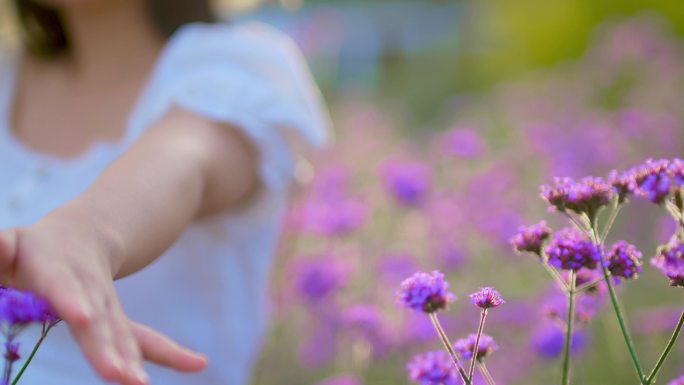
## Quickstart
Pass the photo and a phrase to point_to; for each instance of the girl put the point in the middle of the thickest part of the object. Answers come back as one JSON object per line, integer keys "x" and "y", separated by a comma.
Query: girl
{"x": 124, "y": 152}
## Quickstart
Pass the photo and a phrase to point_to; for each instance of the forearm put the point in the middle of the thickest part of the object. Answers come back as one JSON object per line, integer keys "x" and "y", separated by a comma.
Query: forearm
{"x": 175, "y": 173}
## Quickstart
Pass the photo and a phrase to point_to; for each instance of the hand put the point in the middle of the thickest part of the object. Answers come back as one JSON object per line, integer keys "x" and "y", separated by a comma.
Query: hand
{"x": 71, "y": 264}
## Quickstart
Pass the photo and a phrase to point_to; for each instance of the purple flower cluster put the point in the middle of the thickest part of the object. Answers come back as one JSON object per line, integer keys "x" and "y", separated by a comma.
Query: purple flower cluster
{"x": 584, "y": 197}
{"x": 433, "y": 368}
{"x": 18, "y": 308}
{"x": 569, "y": 249}
{"x": 670, "y": 262}
{"x": 487, "y": 298}
{"x": 466, "y": 346}
{"x": 531, "y": 238}
{"x": 624, "y": 260}
{"x": 425, "y": 292}
{"x": 407, "y": 182}
{"x": 677, "y": 381}
{"x": 654, "y": 180}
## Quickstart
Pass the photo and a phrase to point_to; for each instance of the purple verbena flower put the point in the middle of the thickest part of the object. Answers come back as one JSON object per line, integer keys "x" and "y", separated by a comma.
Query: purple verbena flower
{"x": 486, "y": 298}
{"x": 569, "y": 249}
{"x": 670, "y": 262}
{"x": 466, "y": 346}
{"x": 624, "y": 183}
{"x": 19, "y": 308}
{"x": 654, "y": 180}
{"x": 624, "y": 260}
{"x": 433, "y": 368}
{"x": 531, "y": 238}
{"x": 584, "y": 197}
{"x": 677, "y": 381}
{"x": 407, "y": 182}
{"x": 425, "y": 292}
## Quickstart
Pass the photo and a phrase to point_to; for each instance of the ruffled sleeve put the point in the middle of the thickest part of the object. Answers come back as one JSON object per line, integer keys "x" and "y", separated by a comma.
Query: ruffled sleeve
{"x": 249, "y": 76}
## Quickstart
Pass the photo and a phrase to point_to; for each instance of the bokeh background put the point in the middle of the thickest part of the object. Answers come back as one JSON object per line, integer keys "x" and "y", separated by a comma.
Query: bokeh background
{"x": 479, "y": 102}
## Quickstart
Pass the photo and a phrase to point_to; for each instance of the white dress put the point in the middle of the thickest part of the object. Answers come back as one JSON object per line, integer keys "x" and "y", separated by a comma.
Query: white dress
{"x": 208, "y": 291}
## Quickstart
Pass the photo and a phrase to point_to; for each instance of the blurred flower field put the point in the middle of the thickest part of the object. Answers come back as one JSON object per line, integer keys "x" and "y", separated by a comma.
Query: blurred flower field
{"x": 450, "y": 196}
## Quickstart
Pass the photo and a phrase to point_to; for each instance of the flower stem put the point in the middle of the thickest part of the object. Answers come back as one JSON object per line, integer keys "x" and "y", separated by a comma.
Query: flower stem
{"x": 568, "y": 329}
{"x": 616, "y": 307}
{"x": 611, "y": 221}
{"x": 578, "y": 225}
{"x": 476, "y": 348}
{"x": 556, "y": 276}
{"x": 666, "y": 352}
{"x": 33, "y": 353}
{"x": 447, "y": 345}
{"x": 589, "y": 285}
{"x": 485, "y": 373}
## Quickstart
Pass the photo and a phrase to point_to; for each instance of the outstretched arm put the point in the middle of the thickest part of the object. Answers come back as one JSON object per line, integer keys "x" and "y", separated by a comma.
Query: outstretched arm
{"x": 184, "y": 167}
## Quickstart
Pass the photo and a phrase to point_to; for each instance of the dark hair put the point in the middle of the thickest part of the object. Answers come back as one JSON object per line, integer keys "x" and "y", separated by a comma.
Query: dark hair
{"x": 45, "y": 33}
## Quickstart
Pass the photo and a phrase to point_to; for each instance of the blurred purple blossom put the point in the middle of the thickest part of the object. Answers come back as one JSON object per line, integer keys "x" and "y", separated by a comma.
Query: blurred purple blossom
{"x": 677, "y": 381}
{"x": 548, "y": 341}
{"x": 366, "y": 322}
{"x": 531, "y": 238}
{"x": 393, "y": 268}
{"x": 466, "y": 346}
{"x": 433, "y": 368}
{"x": 318, "y": 278}
{"x": 19, "y": 308}
{"x": 407, "y": 181}
{"x": 670, "y": 262}
{"x": 425, "y": 292}
{"x": 463, "y": 142}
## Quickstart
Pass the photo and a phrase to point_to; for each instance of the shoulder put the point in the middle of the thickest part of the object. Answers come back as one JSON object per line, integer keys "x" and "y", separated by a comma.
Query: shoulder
{"x": 207, "y": 41}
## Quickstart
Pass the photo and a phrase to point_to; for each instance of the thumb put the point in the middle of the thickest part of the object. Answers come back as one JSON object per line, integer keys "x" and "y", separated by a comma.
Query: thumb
{"x": 8, "y": 252}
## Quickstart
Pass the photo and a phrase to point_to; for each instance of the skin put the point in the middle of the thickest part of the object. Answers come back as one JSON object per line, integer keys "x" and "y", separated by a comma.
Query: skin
{"x": 183, "y": 168}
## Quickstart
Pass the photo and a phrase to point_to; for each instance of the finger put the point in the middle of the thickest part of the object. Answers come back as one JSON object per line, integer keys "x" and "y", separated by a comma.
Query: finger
{"x": 163, "y": 351}
{"x": 126, "y": 343}
{"x": 8, "y": 247}
{"x": 98, "y": 347}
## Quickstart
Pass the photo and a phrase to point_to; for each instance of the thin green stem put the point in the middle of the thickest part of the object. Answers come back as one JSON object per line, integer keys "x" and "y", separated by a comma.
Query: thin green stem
{"x": 616, "y": 307}
{"x": 447, "y": 345}
{"x": 578, "y": 225}
{"x": 485, "y": 373}
{"x": 33, "y": 353}
{"x": 556, "y": 276}
{"x": 673, "y": 210}
{"x": 611, "y": 221}
{"x": 476, "y": 348}
{"x": 666, "y": 352}
{"x": 589, "y": 285}
{"x": 568, "y": 329}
